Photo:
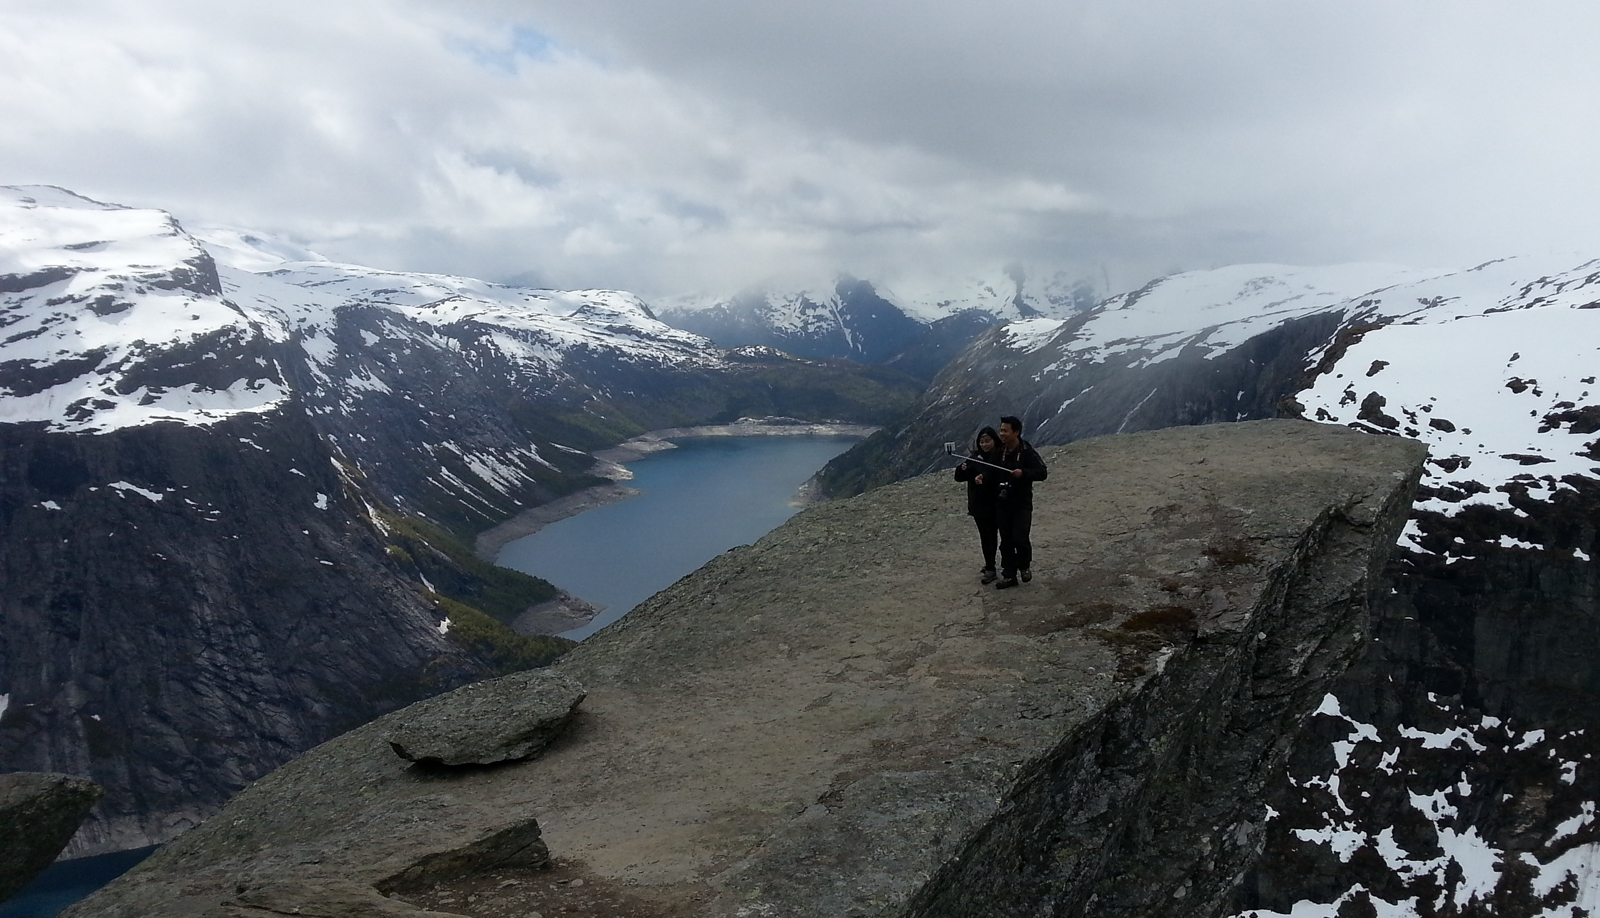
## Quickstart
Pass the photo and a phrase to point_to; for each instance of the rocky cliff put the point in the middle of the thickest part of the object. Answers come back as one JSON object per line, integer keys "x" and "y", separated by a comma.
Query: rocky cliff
{"x": 1451, "y": 772}
{"x": 838, "y": 720}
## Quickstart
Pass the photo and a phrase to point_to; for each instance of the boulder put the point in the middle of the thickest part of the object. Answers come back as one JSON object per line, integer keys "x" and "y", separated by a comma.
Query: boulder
{"x": 38, "y": 814}
{"x": 497, "y": 720}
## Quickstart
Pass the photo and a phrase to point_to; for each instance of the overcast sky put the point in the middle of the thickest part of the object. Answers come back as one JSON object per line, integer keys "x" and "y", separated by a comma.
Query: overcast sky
{"x": 670, "y": 146}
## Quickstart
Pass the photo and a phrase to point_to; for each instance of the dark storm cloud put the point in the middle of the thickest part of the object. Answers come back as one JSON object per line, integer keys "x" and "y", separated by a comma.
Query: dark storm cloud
{"x": 668, "y": 146}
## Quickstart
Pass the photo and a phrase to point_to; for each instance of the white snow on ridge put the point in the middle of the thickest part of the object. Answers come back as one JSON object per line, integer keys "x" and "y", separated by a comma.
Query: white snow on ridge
{"x": 814, "y": 306}
{"x": 1472, "y": 365}
{"x": 1031, "y": 334}
{"x": 43, "y": 227}
{"x": 102, "y": 299}
{"x": 249, "y": 250}
{"x": 1223, "y": 308}
{"x": 548, "y": 322}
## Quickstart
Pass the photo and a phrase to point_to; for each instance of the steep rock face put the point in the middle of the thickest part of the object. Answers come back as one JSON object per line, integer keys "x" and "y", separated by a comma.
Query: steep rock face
{"x": 1452, "y": 770}
{"x": 839, "y": 720}
{"x": 181, "y": 608}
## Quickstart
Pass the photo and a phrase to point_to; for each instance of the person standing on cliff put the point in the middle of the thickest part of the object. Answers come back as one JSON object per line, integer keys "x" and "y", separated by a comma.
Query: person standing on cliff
{"x": 1014, "y": 502}
{"x": 983, "y": 482}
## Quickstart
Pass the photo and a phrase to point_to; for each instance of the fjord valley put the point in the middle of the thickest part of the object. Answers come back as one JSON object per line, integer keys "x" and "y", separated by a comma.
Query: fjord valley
{"x": 240, "y": 484}
{"x": 239, "y": 490}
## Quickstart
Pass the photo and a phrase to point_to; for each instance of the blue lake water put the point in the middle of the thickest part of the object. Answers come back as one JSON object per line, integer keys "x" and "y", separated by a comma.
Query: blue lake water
{"x": 701, "y": 499}
{"x": 66, "y": 882}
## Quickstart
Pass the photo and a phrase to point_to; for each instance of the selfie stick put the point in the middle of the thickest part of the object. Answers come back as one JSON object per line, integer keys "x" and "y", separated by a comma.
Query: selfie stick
{"x": 950, "y": 450}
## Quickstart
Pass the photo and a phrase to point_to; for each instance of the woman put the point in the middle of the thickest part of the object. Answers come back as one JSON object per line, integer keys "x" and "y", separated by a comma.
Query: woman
{"x": 982, "y": 485}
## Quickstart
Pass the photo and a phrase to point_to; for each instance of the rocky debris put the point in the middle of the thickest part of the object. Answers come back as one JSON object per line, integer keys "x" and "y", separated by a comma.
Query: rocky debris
{"x": 838, "y": 720}
{"x": 39, "y": 812}
{"x": 498, "y": 720}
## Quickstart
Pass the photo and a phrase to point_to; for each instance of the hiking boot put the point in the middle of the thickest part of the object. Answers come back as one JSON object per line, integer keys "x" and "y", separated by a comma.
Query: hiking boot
{"x": 989, "y": 576}
{"x": 1027, "y": 574}
{"x": 1006, "y": 582}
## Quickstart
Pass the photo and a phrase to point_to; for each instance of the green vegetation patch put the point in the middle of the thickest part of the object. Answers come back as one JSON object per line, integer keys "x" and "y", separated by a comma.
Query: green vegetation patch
{"x": 507, "y": 651}
{"x": 456, "y": 573}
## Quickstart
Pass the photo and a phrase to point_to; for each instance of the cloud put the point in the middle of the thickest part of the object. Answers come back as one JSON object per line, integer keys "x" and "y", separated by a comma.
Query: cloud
{"x": 705, "y": 144}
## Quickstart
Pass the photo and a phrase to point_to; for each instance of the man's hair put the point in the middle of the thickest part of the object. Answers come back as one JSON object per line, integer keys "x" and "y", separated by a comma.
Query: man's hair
{"x": 1015, "y": 422}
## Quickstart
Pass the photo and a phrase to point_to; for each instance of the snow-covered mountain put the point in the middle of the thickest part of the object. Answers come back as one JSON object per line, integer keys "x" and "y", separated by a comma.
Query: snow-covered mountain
{"x": 236, "y": 479}
{"x": 1453, "y": 769}
{"x": 915, "y": 327}
{"x": 117, "y": 317}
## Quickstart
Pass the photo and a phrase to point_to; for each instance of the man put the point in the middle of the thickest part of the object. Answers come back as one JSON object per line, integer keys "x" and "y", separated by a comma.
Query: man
{"x": 1014, "y": 506}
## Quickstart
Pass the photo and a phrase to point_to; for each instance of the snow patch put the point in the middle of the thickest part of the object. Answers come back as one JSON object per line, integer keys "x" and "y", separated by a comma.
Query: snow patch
{"x": 1029, "y": 335}
{"x": 123, "y": 486}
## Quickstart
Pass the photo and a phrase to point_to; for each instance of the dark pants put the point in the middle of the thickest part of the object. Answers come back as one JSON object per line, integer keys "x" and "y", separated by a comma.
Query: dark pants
{"x": 988, "y": 535}
{"x": 1016, "y": 552}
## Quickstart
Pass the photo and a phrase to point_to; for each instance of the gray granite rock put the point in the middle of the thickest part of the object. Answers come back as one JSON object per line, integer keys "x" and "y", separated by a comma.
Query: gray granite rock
{"x": 38, "y": 814}
{"x": 497, "y": 720}
{"x": 840, "y": 720}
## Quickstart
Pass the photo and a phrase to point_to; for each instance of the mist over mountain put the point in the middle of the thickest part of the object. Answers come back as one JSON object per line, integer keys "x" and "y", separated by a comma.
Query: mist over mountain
{"x": 916, "y": 331}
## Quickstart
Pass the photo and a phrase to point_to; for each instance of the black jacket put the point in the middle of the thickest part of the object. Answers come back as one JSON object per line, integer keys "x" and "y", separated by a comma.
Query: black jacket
{"x": 980, "y": 497}
{"x": 1019, "y": 491}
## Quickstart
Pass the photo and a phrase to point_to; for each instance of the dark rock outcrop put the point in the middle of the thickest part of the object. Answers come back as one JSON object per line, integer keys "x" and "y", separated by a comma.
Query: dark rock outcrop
{"x": 1463, "y": 734}
{"x": 839, "y": 720}
{"x": 499, "y": 720}
{"x": 38, "y": 814}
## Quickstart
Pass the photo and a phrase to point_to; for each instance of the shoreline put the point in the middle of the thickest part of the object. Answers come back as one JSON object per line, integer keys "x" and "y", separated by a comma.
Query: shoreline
{"x": 609, "y": 463}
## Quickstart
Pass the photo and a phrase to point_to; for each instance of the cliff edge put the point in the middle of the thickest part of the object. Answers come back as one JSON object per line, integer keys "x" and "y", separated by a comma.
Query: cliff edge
{"x": 839, "y": 721}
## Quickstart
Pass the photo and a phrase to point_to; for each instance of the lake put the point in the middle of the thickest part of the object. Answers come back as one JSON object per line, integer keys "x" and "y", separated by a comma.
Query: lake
{"x": 65, "y": 882}
{"x": 701, "y": 499}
